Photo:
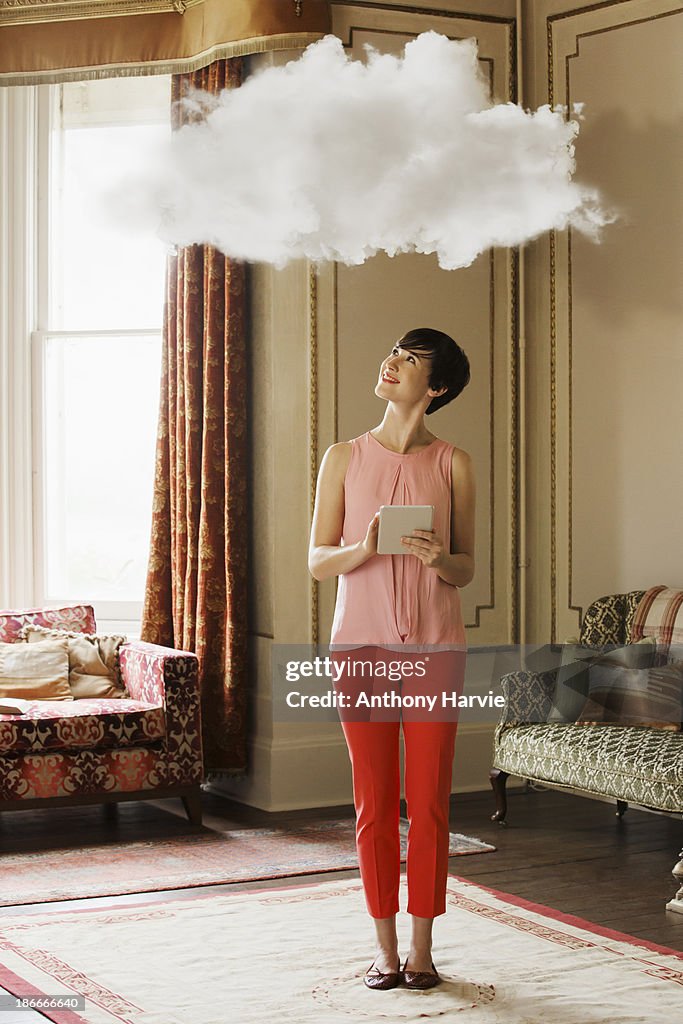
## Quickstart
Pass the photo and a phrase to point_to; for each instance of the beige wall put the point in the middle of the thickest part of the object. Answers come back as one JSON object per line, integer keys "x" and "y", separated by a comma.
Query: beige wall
{"x": 574, "y": 426}
{"x": 603, "y": 331}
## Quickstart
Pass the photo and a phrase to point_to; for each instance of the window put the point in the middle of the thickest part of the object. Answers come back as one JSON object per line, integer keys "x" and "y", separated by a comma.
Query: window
{"x": 97, "y": 353}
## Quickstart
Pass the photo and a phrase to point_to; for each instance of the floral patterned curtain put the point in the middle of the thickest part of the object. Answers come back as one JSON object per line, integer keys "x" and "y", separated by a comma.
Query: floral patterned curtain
{"x": 196, "y": 593}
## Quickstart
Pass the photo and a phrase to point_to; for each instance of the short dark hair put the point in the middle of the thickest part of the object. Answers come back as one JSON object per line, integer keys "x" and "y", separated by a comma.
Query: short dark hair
{"x": 450, "y": 366}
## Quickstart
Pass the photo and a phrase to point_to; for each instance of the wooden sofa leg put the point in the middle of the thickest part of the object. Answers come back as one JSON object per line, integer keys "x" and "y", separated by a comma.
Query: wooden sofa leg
{"x": 622, "y": 807}
{"x": 498, "y": 778}
{"x": 677, "y": 902}
{"x": 192, "y": 803}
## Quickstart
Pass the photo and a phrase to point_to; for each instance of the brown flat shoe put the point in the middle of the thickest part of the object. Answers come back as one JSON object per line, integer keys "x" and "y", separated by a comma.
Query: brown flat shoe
{"x": 375, "y": 979}
{"x": 421, "y": 979}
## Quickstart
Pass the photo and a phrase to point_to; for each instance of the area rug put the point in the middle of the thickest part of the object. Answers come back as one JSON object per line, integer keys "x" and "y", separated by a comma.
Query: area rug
{"x": 250, "y": 957}
{"x": 204, "y": 858}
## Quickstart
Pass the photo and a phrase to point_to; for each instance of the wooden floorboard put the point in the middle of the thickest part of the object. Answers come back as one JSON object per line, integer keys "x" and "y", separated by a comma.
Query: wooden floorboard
{"x": 563, "y": 851}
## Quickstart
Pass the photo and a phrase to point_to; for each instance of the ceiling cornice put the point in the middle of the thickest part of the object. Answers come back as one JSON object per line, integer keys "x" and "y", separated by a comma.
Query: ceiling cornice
{"x": 27, "y": 12}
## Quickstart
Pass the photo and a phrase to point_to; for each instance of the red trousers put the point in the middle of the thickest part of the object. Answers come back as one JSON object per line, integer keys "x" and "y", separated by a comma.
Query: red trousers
{"x": 374, "y": 752}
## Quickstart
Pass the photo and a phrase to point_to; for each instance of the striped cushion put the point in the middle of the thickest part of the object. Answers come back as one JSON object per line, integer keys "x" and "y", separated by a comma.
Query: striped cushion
{"x": 660, "y": 614}
{"x": 635, "y": 696}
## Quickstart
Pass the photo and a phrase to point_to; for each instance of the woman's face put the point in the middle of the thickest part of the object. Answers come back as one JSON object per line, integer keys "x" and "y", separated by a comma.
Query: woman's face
{"x": 404, "y": 376}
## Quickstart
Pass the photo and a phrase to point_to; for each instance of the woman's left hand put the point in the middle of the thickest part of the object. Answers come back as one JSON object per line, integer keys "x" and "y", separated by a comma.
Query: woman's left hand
{"x": 426, "y": 546}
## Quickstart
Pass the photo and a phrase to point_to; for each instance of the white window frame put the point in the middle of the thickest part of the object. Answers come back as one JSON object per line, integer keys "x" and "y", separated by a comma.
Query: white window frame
{"x": 25, "y": 163}
{"x": 21, "y": 157}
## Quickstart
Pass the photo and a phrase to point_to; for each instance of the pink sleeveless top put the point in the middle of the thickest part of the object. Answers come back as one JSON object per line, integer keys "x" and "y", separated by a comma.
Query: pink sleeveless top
{"x": 395, "y": 599}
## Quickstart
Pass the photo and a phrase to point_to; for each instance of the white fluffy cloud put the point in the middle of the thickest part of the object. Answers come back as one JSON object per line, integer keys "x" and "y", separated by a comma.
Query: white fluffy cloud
{"x": 337, "y": 159}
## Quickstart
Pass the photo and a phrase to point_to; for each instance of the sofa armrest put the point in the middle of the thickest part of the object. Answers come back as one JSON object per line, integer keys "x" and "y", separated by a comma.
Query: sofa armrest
{"x": 155, "y": 674}
{"x": 160, "y": 675}
{"x": 528, "y": 698}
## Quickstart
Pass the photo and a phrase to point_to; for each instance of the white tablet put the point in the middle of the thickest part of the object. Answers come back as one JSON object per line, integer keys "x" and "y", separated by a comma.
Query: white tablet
{"x": 396, "y": 521}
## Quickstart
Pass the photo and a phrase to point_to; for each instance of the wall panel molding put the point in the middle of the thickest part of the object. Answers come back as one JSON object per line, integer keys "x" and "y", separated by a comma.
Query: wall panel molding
{"x": 494, "y": 614}
{"x": 564, "y": 32}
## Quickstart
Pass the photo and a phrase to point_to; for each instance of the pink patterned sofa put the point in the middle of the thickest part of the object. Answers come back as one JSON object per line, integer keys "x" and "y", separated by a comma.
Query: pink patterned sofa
{"x": 143, "y": 746}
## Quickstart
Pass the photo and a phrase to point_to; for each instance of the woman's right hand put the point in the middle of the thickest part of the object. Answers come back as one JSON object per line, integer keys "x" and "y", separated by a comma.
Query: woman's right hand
{"x": 369, "y": 544}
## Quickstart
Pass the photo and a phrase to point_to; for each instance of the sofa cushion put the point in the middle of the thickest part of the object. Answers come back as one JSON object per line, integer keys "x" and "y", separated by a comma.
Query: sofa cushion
{"x": 660, "y": 614}
{"x": 585, "y": 673}
{"x": 639, "y": 765}
{"x": 88, "y": 724}
{"x": 93, "y": 660}
{"x": 607, "y": 620}
{"x": 79, "y": 618}
{"x": 38, "y": 672}
{"x": 571, "y": 688}
{"x": 647, "y": 696}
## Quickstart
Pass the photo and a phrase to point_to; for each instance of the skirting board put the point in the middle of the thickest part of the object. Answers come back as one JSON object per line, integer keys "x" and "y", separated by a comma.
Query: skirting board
{"x": 303, "y": 773}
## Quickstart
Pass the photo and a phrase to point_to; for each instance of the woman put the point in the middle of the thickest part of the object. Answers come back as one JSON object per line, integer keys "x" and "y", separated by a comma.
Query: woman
{"x": 386, "y": 601}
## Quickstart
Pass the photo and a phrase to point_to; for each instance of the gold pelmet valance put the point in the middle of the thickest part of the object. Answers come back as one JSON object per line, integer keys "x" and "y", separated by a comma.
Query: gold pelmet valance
{"x": 65, "y": 40}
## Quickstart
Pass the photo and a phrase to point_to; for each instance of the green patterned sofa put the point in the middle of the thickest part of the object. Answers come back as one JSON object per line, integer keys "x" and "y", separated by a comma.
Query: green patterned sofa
{"x": 631, "y": 764}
